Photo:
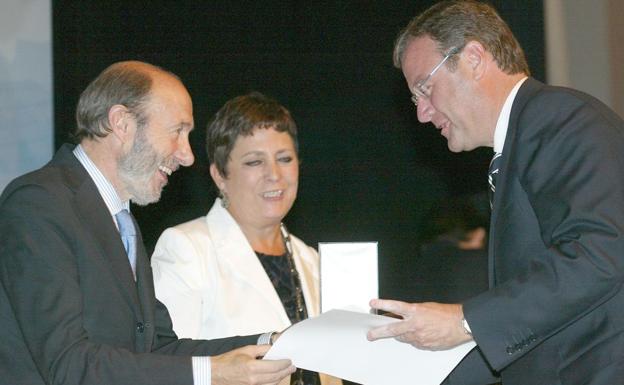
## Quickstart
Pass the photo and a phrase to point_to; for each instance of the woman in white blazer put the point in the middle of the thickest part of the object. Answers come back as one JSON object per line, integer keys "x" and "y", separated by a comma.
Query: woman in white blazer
{"x": 237, "y": 270}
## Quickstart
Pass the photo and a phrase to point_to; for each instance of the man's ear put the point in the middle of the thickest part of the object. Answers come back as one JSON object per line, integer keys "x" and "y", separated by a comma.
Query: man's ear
{"x": 121, "y": 122}
{"x": 475, "y": 54}
{"x": 218, "y": 179}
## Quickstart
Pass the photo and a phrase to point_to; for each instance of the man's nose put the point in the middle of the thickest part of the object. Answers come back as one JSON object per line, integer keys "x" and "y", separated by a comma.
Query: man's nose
{"x": 185, "y": 153}
{"x": 424, "y": 110}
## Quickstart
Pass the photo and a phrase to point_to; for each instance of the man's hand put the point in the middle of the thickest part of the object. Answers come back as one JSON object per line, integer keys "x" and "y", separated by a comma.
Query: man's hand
{"x": 428, "y": 325}
{"x": 241, "y": 367}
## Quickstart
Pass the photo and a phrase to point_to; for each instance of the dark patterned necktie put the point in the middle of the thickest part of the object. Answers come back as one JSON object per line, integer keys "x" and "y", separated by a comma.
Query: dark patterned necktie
{"x": 492, "y": 175}
{"x": 128, "y": 236}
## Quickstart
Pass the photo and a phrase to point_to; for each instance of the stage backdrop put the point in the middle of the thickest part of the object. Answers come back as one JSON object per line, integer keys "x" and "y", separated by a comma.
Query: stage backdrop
{"x": 369, "y": 170}
{"x": 25, "y": 87}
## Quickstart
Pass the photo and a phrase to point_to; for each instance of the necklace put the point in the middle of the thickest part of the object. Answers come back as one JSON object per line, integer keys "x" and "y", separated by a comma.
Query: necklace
{"x": 300, "y": 311}
{"x": 294, "y": 275}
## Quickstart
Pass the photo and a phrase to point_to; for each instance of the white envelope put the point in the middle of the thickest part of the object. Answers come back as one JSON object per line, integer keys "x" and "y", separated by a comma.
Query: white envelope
{"x": 349, "y": 278}
{"x": 335, "y": 343}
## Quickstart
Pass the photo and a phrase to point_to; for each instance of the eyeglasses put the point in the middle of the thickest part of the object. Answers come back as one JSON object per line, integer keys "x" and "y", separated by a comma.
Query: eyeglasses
{"x": 421, "y": 89}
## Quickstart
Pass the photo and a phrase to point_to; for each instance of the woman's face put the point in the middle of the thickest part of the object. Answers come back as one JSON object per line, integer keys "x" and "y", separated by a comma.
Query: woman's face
{"x": 262, "y": 180}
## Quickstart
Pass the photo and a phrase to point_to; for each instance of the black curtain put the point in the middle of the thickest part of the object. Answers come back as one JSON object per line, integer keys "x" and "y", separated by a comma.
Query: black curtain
{"x": 369, "y": 170}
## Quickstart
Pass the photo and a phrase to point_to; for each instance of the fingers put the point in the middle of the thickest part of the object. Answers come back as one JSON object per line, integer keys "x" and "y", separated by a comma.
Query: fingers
{"x": 268, "y": 366}
{"x": 396, "y": 307}
{"x": 272, "y": 377}
{"x": 241, "y": 366}
{"x": 388, "y": 331}
{"x": 428, "y": 325}
{"x": 392, "y": 329}
{"x": 271, "y": 371}
{"x": 257, "y": 351}
{"x": 378, "y": 333}
{"x": 271, "y": 365}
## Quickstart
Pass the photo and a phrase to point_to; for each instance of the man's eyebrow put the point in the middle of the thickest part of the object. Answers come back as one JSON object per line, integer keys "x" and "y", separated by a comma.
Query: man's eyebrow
{"x": 183, "y": 125}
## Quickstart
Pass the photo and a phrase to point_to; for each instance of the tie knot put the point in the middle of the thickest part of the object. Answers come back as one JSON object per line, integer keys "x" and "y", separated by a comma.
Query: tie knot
{"x": 125, "y": 223}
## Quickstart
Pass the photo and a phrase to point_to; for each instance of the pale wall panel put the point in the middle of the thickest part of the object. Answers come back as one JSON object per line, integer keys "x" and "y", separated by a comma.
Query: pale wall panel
{"x": 26, "y": 128}
{"x": 584, "y": 47}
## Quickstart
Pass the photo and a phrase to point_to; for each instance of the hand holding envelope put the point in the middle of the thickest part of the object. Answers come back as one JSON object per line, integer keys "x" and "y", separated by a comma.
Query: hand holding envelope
{"x": 335, "y": 343}
{"x": 429, "y": 325}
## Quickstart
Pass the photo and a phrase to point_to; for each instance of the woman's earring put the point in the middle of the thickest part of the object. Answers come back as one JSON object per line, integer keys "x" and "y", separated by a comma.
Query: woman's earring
{"x": 225, "y": 202}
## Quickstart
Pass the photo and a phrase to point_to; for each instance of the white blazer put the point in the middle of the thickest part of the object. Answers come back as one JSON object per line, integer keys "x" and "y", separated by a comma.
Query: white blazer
{"x": 214, "y": 286}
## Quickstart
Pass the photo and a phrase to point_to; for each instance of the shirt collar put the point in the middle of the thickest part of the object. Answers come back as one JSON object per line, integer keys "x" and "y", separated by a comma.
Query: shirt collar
{"x": 106, "y": 189}
{"x": 500, "y": 132}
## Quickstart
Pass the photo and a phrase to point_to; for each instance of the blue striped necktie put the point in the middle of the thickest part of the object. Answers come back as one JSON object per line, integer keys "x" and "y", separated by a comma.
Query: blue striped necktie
{"x": 128, "y": 236}
{"x": 492, "y": 175}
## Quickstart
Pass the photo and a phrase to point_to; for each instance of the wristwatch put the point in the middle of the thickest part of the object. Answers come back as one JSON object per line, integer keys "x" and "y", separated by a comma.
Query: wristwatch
{"x": 466, "y": 326}
{"x": 272, "y": 337}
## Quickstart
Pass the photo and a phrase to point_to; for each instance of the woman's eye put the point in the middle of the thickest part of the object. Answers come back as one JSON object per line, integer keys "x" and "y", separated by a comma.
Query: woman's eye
{"x": 285, "y": 159}
{"x": 253, "y": 163}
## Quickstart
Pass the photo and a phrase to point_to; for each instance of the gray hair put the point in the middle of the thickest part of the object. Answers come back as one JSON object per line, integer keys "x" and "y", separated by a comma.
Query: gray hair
{"x": 125, "y": 83}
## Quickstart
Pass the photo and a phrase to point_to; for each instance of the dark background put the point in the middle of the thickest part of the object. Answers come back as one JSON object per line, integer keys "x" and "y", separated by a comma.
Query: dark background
{"x": 369, "y": 170}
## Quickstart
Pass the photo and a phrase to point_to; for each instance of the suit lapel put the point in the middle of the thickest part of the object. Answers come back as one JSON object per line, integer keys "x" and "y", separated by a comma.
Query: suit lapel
{"x": 98, "y": 224}
{"x": 145, "y": 285}
{"x": 507, "y": 174}
{"x": 234, "y": 250}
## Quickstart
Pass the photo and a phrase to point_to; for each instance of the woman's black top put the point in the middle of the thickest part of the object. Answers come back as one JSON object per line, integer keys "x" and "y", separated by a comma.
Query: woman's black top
{"x": 284, "y": 281}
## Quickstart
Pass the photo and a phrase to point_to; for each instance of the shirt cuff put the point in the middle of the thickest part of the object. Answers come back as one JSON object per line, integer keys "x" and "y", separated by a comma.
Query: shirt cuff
{"x": 201, "y": 370}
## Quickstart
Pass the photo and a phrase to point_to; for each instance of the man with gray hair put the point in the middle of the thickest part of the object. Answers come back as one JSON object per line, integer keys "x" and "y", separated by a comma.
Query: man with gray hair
{"x": 77, "y": 296}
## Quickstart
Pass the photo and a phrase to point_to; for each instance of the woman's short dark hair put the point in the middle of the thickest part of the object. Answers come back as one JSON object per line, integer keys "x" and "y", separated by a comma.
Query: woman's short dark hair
{"x": 240, "y": 116}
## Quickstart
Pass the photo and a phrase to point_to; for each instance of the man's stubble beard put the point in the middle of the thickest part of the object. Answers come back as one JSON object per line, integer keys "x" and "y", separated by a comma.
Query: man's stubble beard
{"x": 137, "y": 168}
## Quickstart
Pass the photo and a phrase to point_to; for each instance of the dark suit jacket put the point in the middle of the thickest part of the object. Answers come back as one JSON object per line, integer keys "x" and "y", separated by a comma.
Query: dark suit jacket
{"x": 74, "y": 311}
{"x": 445, "y": 273}
{"x": 555, "y": 310}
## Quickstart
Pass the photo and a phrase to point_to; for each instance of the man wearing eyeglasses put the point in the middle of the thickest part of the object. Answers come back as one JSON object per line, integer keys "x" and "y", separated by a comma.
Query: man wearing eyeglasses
{"x": 554, "y": 313}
